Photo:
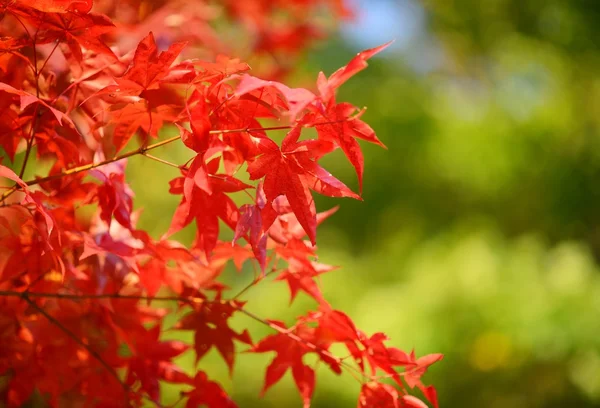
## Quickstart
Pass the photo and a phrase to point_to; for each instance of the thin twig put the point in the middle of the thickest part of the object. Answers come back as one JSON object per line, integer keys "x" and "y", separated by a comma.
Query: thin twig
{"x": 47, "y": 59}
{"x": 30, "y": 139}
{"x": 254, "y": 282}
{"x": 35, "y": 119}
{"x": 163, "y": 161}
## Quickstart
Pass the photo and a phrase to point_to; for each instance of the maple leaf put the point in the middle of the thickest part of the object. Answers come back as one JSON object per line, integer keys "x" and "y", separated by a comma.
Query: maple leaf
{"x": 76, "y": 288}
{"x": 27, "y": 99}
{"x": 300, "y": 275}
{"x": 205, "y": 200}
{"x": 286, "y": 227}
{"x": 289, "y": 357}
{"x": 151, "y": 362}
{"x": 291, "y": 171}
{"x": 222, "y": 68}
{"x": 115, "y": 196}
{"x": 296, "y": 98}
{"x": 239, "y": 254}
{"x": 327, "y": 86}
{"x": 207, "y": 393}
{"x": 143, "y": 114}
{"x": 209, "y": 323}
{"x": 250, "y": 220}
{"x": 341, "y": 128}
{"x": 199, "y": 139}
{"x": 375, "y": 394}
{"x": 78, "y": 30}
{"x": 148, "y": 67}
{"x": 413, "y": 375}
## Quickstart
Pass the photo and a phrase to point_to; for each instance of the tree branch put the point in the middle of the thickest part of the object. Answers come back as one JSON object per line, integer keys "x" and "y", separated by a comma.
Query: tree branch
{"x": 142, "y": 150}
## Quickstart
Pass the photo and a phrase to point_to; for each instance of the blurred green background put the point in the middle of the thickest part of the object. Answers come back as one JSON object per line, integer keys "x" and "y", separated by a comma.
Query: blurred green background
{"x": 479, "y": 236}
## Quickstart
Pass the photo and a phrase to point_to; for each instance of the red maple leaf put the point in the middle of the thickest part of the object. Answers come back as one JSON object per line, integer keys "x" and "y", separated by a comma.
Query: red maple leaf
{"x": 114, "y": 195}
{"x": 290, "y": 352}
{"x": 78, "y": 30}
{"x": 148, "y": 68}
{"x": 151, "y": 362}
{"x": 292, "y": 171}
{"x": 300, "y": 276}
{"x": 207, "y": 393}
{"x": 205, "y": 200}
{"x": 340, "y": 125}
{"x": 143, "y": 114}
{"x": 378, "y": 395}
{"x": 209, "y": 323}
{"x": 327, "y": 86}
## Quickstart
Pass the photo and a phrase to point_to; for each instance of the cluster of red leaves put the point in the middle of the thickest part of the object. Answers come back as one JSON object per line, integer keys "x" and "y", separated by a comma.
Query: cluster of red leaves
{"x": 76, "y": 325}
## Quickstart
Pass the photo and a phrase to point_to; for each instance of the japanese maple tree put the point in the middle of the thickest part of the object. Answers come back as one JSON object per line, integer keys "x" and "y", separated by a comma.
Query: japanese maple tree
{"x": 80, "y": 83}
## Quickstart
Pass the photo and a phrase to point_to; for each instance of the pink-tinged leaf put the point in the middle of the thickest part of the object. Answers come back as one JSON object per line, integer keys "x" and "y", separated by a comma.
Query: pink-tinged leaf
{"x": 320, "y": 180}
{"x": 250, "y": 220}
{"x": 413, "y": 402}
{"x": 114, "y": 195}
{"x": 11, "y": 175}
{"x": 29, "y": 198}
{"x": 296, "y": 98}
{"x": 27, "y": 99}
